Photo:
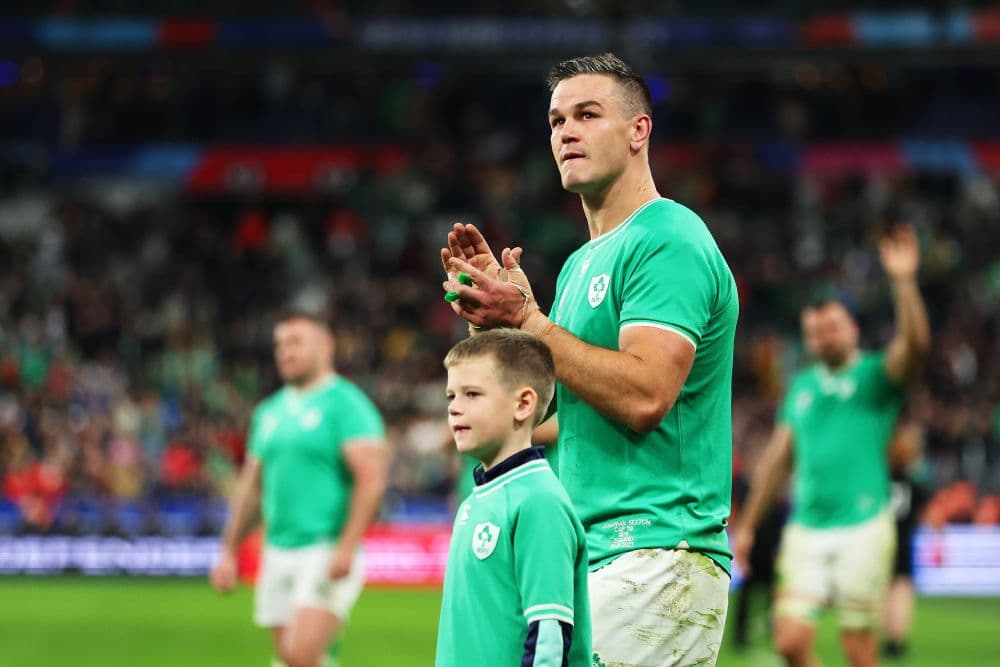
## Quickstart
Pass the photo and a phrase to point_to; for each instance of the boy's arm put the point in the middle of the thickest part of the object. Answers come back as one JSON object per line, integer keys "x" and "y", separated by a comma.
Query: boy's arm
{"x": 545, "y": 557}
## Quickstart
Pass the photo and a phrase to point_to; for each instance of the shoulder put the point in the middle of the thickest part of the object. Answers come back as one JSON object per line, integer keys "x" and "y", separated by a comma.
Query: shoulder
{"x": 672, "y": 230}
{"x": 802, "y": 378}
{"x": 268, "y": 403}
{"x": 541, "y": 492}
{"x": 342, "y": 389}
{"x": 668, "y": 219}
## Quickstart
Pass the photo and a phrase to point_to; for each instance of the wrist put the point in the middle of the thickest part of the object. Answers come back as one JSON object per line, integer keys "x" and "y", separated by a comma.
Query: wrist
{"x": 536, "y": 322}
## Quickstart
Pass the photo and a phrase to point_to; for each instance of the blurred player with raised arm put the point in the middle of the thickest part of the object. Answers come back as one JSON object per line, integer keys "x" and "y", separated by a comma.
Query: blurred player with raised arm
{"x": 642, "y": 333}
{"x": 834, "y": 429}
{"x": 316, "y": 466}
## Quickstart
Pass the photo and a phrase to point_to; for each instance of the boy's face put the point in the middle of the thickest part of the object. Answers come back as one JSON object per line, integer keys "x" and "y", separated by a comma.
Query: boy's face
{"x": 481, "y": 410}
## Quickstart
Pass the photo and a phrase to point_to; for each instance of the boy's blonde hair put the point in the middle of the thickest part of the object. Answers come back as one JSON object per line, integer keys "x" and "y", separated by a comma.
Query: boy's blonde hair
{"x": 521, "y": 359}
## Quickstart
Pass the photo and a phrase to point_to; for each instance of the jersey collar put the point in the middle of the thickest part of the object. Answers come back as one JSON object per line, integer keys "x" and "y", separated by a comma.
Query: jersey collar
{"x": 593, "y": 243}
{"x": 513, "y": 461}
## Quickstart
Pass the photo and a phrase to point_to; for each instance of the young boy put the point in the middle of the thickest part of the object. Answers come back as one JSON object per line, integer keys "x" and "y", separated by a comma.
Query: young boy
{"x": 515, "y": 587}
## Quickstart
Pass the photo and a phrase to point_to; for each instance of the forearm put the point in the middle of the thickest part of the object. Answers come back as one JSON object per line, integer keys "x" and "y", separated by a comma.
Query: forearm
{"x": 770, "y": 478}
{"x": 243, "y": 515}
{"x": 366, "y": 500}
{"x": 912, "y": 326}
{"x": 619, "y": 385}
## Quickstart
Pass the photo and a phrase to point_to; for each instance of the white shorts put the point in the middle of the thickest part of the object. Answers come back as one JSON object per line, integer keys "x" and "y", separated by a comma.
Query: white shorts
{"x": 846, "y": 567}
{"x": 299, "y": 578}
{"x": 663, "y": 607}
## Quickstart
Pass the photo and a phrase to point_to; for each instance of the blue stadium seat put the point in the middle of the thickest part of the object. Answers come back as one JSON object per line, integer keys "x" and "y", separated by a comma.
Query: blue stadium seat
{"x": 10, "y": 518}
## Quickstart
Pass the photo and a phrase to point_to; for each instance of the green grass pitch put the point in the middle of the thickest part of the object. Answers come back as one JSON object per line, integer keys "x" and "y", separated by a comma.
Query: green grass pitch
{"x": 80, "y": 622}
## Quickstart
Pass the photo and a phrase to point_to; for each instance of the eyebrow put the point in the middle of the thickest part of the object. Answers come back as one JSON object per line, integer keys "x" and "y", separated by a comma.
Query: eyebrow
{"x": 578, "y": 106}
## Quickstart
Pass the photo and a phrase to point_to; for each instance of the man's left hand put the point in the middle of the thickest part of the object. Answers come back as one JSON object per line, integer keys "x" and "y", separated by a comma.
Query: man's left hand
{"x": 490, "y": 302}
{"x": 900, "y": 253}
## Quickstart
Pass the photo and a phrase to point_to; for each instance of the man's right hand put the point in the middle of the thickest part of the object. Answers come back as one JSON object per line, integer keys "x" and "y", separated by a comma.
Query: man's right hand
{"x": 742, "y": 546}
{"x": 223, "y": 576}
{"x": 467, "y": 243}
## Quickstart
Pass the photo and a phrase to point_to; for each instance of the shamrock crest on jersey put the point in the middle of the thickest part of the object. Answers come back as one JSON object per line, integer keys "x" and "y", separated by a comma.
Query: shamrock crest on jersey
{"x": 598, "y": 289}
{"x": 484, "y": 539}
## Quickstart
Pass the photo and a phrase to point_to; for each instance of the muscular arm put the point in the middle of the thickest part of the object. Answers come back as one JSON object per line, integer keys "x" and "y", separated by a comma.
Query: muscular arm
{"x": 636, "y": 385}
{"x": 773, "y": 470}
{"x": 244, "y": 506}
{"x": 900, "y": 255}
{"x": 368, "y": 463}
{"x": 909, "y": 346}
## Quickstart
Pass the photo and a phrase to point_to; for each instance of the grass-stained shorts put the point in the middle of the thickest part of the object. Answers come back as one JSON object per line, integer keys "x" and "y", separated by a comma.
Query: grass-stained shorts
{"x": 662, "y": 607}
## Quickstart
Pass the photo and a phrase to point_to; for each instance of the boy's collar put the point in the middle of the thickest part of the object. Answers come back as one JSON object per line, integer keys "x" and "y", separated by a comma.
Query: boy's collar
{"x": 516, "y": 459}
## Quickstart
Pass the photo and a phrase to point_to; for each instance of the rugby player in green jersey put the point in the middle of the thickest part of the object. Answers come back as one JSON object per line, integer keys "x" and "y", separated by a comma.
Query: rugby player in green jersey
{"x": 834, "y": 428}
{"x": 316, "y": 467}
{"x": 642, "y": 333}
{"x": 515, "y": 586}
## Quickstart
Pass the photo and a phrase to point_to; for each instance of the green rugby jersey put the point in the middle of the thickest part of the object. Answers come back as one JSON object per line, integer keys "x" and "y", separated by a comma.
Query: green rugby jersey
{"x": 841, "y": 423}
{"x": 306, "y": 485}
{"x": 669, "y": 488}
{"x": 515, "y": 585}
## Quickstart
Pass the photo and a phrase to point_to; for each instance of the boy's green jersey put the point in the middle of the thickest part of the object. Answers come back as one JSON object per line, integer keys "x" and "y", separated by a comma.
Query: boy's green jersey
{"x": 842, "y": 423}
{"x": 518, "y": 557}
{"x": 669, "y": 488}
{"x": 298, "y": 436}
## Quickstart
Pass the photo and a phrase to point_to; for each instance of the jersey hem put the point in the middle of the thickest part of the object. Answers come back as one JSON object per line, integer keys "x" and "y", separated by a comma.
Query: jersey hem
{"x": 725, "y": 562}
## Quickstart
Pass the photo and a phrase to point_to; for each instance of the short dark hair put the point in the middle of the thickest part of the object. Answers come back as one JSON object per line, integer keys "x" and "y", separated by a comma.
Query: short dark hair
{"x": 289, "y": 314}
{"x": 521, "y": 359}
{"x": 611, "y": 65}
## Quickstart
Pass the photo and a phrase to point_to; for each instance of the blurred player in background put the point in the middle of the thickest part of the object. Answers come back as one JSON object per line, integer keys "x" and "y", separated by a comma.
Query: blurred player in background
{"x": 756, "y": 591}
{"x": 316, "y": 468}
{"x": 834, "y": 427}
{"x": 515, "y": 588}
{"x": 910, "y": 493}
{"x": 642, "y": 334}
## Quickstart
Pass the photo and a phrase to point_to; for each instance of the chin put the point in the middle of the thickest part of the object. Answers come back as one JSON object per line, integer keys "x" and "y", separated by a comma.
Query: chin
{"x": 574, "y": 185}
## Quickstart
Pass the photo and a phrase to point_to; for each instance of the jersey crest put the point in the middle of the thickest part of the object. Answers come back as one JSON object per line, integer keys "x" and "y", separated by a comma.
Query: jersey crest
{"x": 311, "y": 419}
{"x": 598, "y": 289}
{"x": 484, "y": 539}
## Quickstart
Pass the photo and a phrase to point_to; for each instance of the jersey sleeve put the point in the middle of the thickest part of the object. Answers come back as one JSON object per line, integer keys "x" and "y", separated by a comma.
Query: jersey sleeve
{"x": 361, "y": 419}
{"x": 784, "y": 414}
{"x": 545, "y": 553}
{"x": 253, "y": 432}
{"x": 671, "y": 284}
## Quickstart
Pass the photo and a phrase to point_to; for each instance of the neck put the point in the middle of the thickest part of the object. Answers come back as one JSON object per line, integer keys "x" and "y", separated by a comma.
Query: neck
{"x": 313, "y": 381}
{"x": 847, "y": 361}
{"x": 609, "y": 207}
{"x": 514, "y": 444}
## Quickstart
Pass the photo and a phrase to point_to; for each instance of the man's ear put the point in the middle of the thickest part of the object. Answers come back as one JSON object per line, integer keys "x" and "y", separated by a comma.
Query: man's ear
{"x": 642, "y": 128}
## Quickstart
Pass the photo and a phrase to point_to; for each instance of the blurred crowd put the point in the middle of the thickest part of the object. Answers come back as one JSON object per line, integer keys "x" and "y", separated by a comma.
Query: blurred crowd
{"x": 69, "y": 103}
{"x": 610, "y": 9}
{"x": 135, "y": 331}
